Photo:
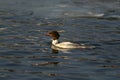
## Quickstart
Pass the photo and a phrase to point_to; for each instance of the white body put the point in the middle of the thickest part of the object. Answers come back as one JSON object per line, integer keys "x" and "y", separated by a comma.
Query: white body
{"x": 69, "y": 45}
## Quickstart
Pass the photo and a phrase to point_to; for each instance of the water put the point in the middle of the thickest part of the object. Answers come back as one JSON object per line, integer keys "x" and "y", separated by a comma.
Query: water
{"x": 26, "y": 54}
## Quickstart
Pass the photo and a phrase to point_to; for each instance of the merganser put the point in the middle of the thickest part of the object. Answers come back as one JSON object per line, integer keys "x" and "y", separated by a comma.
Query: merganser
{"x": 64, "y": 45}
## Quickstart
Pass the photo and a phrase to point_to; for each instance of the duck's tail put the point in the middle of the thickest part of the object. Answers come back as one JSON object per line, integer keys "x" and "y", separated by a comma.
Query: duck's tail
{"x": 86, "y": 46}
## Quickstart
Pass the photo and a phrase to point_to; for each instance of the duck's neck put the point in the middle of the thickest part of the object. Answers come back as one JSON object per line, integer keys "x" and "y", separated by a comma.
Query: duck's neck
{"x": 54, "y": 42}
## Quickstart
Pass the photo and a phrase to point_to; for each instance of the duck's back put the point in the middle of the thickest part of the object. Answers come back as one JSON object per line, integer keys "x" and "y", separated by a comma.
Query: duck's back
{"x": 68, "y": 45}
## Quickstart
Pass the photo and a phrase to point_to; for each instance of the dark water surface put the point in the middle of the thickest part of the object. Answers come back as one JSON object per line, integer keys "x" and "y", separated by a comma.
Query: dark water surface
{"x": 26, "y": 54}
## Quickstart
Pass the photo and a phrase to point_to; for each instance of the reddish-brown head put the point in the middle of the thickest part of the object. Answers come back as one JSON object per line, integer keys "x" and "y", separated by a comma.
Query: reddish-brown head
{"x": 54, "y": 34}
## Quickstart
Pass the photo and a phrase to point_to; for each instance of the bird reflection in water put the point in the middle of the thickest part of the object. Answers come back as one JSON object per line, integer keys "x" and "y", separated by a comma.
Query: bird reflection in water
{"x": 46, "y": 63}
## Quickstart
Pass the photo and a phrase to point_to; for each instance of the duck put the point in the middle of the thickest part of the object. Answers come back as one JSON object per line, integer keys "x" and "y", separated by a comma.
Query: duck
{"x": 64, "y": 45}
